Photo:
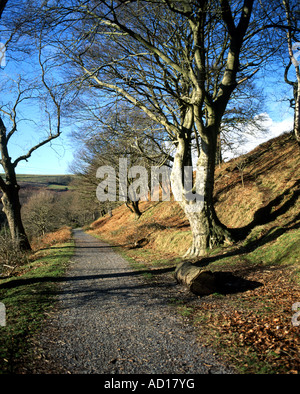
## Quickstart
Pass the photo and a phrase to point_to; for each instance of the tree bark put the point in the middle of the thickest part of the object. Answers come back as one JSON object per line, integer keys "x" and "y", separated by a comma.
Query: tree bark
{"x": 196, "y": 279}
{"x": 207, "y": 230}
{"x": 10, "y": 195}
{"x": 136, "y": 209}
{"x": 133, "y": 206}
{"x": 12, "y": 210}
{"x": 296, "y": 85}
{"x": 297, "y": 109}
{"x": 2, "y": 6}
{"x": 219, "y": 158}
{"x": 197, "y": 202}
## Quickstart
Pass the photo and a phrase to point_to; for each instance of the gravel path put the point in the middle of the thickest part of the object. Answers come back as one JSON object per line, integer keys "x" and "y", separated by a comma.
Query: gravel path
{"x": 110, "y": 320}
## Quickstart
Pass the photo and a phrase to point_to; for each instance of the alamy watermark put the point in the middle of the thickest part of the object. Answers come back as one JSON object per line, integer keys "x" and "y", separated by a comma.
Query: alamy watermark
{"x": 296, "y": 54}
{"x": 140, "y": 184}
{"x": 2, "y": 315}
{"x": 2, "y": 55}
{"x": 296, "y": 316}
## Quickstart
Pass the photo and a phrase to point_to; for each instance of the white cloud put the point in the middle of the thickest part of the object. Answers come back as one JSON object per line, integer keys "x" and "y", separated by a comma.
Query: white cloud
{"x": 273, "y": 129}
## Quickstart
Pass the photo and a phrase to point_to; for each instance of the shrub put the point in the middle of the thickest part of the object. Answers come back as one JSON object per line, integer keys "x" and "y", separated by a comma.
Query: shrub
{"x": 40, "y": 214}
{"x": 11, "y": 256}
{"x": 64, "y": 234}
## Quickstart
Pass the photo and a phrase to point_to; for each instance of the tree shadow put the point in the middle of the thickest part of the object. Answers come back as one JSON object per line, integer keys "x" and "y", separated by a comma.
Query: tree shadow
{"x": 268, "y": 213}
{"x": 29, "y": 281}
{"x": 264, "y": 215}
{"x": 270, "y": 236}
{"x": 95, "y": 246}
{"x": 228, "y": 283}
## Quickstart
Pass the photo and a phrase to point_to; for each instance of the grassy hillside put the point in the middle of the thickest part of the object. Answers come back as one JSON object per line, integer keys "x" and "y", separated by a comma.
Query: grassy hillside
{"x": 265, "y": 206}
{"x": 55, "y": 182}
{"x": 45, "y": 179}
{"x": 257, "y": 195}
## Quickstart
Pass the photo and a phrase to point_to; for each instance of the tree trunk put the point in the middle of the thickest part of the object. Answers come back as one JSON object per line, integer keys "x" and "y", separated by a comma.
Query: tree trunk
{"x": 297, "y": 108}
{"x": 207, "y": 230}
{"x": 196, "y": 279}
{"x": 12, "y": 210}
{"x": 219, "y": 158}
{"x": 10, "y": 198}
{"x": 197, "y": 203}
{"x": 134, "y": 208}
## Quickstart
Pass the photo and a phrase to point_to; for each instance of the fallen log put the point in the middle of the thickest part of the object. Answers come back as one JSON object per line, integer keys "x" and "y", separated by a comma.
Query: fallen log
{"x": 204, "y": 282}
{"x": 196, "y": 279}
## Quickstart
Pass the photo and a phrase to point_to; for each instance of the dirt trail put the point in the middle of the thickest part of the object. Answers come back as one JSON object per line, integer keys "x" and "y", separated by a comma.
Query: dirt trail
{"x": 111, "y": 320}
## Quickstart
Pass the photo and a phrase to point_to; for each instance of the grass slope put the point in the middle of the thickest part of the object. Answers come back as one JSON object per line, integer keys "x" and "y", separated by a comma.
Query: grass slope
{"x": 29, "y": 295}
{"x": 257, "y": 195}
{"x": 63, "y": 180}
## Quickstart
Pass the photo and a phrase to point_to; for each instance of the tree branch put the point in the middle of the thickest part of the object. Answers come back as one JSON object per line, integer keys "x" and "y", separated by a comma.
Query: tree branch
{"x": 58, "y": 114}
{"x": 29, "y": 153}
{"x": 227, "y": 17}
{"x": 286, "y": 71}
{"x": 2, "y": 6}
{"x": 128, "y": 97}
{"x": 2, "y": 184}
{"x": 118, "y": 25}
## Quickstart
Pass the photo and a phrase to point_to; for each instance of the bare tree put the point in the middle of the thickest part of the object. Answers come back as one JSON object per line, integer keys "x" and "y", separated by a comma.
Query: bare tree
{"x": 292, "y": 13}
{"x": 9, "y": 114}
{"x": 123, "y": 134}
{"x": 179, "y": 62}
{"x": 39, "y": 213}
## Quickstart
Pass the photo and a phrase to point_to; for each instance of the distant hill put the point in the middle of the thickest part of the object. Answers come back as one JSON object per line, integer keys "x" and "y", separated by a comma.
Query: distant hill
{"x": 62, "y": 180}
{"x": 31, "y": 183}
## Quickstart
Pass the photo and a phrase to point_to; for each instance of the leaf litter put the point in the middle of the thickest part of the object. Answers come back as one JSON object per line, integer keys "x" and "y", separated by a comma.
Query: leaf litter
{"x": 254, "y": 328}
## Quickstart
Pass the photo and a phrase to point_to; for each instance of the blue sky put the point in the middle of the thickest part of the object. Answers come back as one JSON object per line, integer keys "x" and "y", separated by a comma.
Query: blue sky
{"x": 57, "y": 156}
{"x": 51, "y": 159}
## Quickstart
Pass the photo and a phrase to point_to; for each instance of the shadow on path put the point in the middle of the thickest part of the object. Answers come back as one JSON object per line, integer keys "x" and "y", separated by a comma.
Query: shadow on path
{"x": 29, "y": 281}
